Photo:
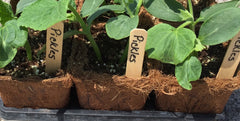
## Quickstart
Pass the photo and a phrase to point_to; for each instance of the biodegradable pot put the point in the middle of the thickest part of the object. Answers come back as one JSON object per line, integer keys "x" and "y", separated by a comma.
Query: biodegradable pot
{"x": 104, "y": 92}
{"x": 35, "y": 92}
{"x": 208, "y": 95}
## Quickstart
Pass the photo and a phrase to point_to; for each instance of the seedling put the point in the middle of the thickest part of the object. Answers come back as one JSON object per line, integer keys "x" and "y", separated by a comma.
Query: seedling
{"x": 34, "y": 16}
{"x": 42, "y": 14}
{"x": 12, "y": 36}
{"x": 180, "y": 46}
{"x": 127, "y": 19}
{"x": 119, "y": 27}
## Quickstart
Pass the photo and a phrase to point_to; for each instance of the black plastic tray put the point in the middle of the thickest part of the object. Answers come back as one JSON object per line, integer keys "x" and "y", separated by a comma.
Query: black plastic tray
{"x": 231, "y": 113}
{"x": 28, "y": 114}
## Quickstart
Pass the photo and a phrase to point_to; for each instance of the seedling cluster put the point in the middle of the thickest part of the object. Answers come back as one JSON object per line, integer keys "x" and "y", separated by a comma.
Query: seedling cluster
{"x": 178, "y": 46}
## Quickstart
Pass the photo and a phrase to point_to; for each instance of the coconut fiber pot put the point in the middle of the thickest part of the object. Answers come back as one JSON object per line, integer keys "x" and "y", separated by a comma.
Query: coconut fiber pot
{"x": 104, "y": 92}
{"x": 35, "y": 92}
{"x": 208, "y": 95}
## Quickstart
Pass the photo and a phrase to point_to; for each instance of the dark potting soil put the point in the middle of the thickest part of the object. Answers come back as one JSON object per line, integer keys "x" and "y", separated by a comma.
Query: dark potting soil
{"x": 21, "y": 67}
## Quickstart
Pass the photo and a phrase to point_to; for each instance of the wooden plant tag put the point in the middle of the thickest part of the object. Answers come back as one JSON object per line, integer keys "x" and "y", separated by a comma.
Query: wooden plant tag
{"x": 54, "y": 47}
{"x": 231, "y": 59}
{"x": 136, "y": 51}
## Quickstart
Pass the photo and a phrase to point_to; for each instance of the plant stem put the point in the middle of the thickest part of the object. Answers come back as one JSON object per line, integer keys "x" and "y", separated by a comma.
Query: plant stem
{"x": 128, "y": 9}
{"x": 28, "y": 50}
{"x": 94, "y": 45}
{"x": 184, "y": 24}
{"x": 197, "y": 21}
{"x": 87, "y": 32}
{"x": 138, "y": 6}
{"x": 79, "y": 18}
{"x": 71, "y": 33}
{"x": 238, "y": 4}
{"x": 190, "y": 7}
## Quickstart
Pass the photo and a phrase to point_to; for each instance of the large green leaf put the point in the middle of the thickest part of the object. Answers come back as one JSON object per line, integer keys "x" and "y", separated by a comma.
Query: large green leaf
{"x": 11, "y": 37}
{"x": 189, "y": 70}
{"x": 221, "y": 27}
{"x": 120, "y": 27}
{"x": 165, "y": 9}
{"x": 6, "y": 12}
{"x": 103, "y": 9}
{"x": 215, "y": 9}
{"x": 90, "y": 6}
{"x": 168, "y": 44}
{"x": 22, "y": 4}
{"x": 43, "y": 14}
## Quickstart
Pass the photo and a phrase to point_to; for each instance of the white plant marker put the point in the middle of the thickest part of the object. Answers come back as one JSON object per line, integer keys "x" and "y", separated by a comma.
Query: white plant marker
{"x": 136, "y": 51}
{"x": 231, "y": 59}
{"x": 54, "y": 47}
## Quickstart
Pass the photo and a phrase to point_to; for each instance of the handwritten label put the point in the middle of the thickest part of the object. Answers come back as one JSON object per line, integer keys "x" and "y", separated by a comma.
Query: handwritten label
{"x": 235, "y": 50}
{"x": 136, "y": 51}
{"x": 231, "y": 59}
{"x": 54, "y": 47}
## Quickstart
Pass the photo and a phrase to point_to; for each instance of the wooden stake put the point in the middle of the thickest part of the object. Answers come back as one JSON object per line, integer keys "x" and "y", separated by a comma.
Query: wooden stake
{"x": 231, "y": 59}
{"x": 136, "y": 51}
{"x": 54, "y": 47}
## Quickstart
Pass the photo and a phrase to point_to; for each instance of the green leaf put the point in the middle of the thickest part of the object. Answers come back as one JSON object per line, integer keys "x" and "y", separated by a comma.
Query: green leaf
{"x": 199, "y": 46}
{"x": 120, "y": 27}
{"x": 186, "y": 15}
{"x": 215, "y": 9}
{"x": 11, "y": 37}
{"x": 6, "y": 12}
{"x": 127, "y": 1}
{"x": 43, "y": 14}
{"x": 189, "y": 70}
{"x": 90, "y": 6}
{"x": 132, "y": 5}
{"x": 71, "y": 17}
{"x": 22, "y": 4}
{"x": 117, "y": 1}
{"x": 103, "y": 9}
{"x": 221, "y": 27}
{"x": 165, "y": 9}
{"x": 73, "y": 4}
{"x": 168, "y": 44}
{"x": 131, "y": 1}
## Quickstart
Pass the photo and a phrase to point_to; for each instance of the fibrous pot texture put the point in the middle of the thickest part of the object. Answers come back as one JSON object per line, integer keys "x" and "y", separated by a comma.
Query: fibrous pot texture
{"x": 104, "y": 92}
{"x": 208, "y": 95}
{"x": 35, "y": 92}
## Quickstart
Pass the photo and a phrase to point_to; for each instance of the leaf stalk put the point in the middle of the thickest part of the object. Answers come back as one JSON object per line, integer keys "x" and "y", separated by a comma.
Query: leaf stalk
{"x": 28, "y": 50}
{"x": 87, "y": 32}
{"x": 184, "y": 24}
{"x": 128, "y": 9}
{"x": 138, "y": 6}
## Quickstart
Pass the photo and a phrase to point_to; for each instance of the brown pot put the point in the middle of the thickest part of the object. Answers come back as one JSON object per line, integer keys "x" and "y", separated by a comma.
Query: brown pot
{"x": 35, "y": 92}
{"x": 208, "y": 95}
{"x": 104, "y": 92}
